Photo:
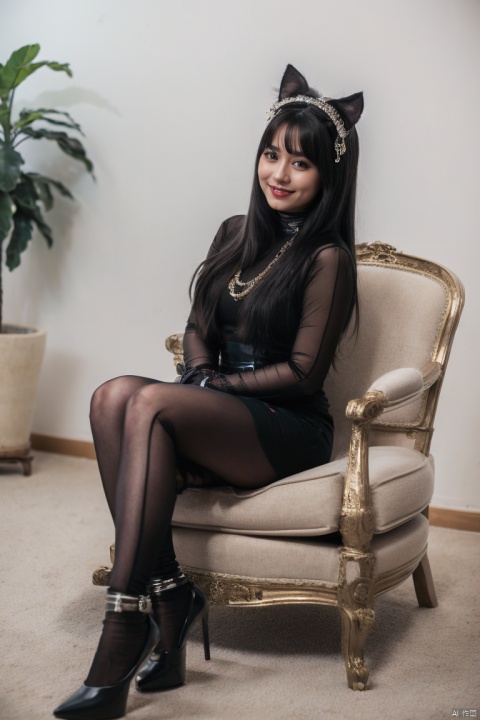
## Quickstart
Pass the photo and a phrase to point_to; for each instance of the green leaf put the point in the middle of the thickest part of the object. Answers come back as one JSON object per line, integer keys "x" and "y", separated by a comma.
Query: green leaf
{"x": 25, "y": 195}
{"x": 8, "y": 72}
{"x": 22, "y": 232}
{"x": 4, "y": 89}
{"x": 37, "y": 218}
{"x": 70, "y": 146}
{"x": 27, "y": 70}
{"x": 63, "y": 123}
{"x": 44, "y": 192}
{"x": 28, "y": 116}
{"x": 5, "y": 119}
{"x": 19, "y": 66}
{"x": 23, "y": 55}
{"x": 6, "y": 215}
{"x": 43, "y": 180}
{"x": 45, "y": 195}
{"x": 10, "y": 162}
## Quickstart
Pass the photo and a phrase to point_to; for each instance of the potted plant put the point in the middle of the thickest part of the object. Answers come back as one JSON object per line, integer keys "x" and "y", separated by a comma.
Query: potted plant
{"x": 24, "y": 196}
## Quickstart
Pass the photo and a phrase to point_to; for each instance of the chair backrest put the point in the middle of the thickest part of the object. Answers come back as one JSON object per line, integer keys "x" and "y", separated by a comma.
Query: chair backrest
{"x": 409, "y": 310}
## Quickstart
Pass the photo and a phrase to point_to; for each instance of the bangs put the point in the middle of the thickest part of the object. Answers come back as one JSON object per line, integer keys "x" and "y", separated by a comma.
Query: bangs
{"x": 303, "y": 134}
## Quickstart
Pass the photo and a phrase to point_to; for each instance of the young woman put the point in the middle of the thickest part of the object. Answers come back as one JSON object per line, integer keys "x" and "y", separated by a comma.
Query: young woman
{"x": 270, "y": 303}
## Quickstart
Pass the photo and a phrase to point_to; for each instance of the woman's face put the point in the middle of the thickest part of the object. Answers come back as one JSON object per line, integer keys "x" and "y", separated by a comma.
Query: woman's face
{"x": 289, "y": 181}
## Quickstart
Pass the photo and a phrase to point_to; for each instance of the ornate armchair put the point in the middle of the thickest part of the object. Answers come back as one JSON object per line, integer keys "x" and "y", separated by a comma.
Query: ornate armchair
{"x": 342, "y": 533}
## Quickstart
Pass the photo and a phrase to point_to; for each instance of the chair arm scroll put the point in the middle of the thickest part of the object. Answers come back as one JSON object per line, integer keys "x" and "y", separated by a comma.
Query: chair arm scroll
{"x": 366, "y": 408}
{"x": 174, "y": 344}
{"x": 403, "y": 385}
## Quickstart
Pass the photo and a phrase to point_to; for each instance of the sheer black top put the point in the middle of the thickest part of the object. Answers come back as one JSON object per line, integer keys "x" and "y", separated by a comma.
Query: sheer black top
{"x": 302, "y": 355}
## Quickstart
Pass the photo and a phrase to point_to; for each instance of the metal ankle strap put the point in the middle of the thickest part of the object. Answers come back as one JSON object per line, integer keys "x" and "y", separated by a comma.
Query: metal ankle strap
{"x": 157, "y": 586}
{"x": 118, "y": 602}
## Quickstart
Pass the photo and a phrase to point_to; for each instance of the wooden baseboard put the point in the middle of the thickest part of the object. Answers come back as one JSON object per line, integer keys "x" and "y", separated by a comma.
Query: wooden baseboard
{"x": 440, "y": 517}
{"x": 63, "y": 446}
{"x": 456, "y": 519}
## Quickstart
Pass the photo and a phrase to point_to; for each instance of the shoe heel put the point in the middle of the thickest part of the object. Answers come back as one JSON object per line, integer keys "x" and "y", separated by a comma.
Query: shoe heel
{"x": 206, "y": 637}
{"x": 167, "y": 668}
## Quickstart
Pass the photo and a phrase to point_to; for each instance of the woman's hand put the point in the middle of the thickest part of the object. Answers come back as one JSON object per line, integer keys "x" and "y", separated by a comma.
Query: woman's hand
{"x": 197, "y": 375}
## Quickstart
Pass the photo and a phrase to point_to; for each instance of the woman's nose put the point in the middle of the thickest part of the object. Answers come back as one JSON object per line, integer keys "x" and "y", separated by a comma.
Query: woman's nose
{"x": 281, "y": 172}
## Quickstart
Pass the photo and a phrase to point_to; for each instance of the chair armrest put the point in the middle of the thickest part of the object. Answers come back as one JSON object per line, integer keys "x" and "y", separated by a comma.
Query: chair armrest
{"x": 391, "y": 390}
{"x": 403, "y": 385}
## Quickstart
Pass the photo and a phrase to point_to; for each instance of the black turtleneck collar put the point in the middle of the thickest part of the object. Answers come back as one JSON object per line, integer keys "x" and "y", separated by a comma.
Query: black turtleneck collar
{"x": 291, "y": 221}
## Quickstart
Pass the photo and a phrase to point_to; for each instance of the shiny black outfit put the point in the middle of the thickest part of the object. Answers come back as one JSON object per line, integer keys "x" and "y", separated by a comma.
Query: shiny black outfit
{"x": 284, "y": 392}
{"x": 258, "y": 420}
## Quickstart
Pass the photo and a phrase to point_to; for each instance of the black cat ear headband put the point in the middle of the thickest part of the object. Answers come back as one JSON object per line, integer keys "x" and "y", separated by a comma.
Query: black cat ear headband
{"x": 344, "y": 112}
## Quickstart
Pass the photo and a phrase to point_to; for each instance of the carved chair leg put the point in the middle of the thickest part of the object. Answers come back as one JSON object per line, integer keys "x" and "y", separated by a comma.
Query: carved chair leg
{"x": 424, "y": 585}
{"x": 355, "y": 627}
{"x": 101, "y": 576}
{"x": 355, "y": 598}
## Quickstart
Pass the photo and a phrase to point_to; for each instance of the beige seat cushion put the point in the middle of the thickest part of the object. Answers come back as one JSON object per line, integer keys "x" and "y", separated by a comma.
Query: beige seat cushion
{"x": 309, "y": 503}
{"x": 298, "y": 559}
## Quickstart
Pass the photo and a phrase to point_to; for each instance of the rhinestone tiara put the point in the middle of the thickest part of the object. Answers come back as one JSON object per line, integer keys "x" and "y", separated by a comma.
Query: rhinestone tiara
{"x": 322, "y": 104}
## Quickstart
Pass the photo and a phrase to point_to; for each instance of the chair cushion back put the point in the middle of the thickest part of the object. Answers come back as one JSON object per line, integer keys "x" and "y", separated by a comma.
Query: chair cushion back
{"x": 404, "y": 305}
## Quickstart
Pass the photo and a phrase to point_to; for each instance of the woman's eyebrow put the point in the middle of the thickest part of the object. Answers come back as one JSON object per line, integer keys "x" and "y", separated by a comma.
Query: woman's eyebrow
{"x": 297, "y": 153}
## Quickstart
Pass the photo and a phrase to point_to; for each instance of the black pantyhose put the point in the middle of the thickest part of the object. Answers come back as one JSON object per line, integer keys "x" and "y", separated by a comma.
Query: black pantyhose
{"x": 141, "y": 427}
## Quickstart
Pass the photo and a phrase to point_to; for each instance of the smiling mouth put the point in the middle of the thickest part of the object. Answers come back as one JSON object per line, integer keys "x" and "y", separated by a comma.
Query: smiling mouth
{"x": 280, "y": 192}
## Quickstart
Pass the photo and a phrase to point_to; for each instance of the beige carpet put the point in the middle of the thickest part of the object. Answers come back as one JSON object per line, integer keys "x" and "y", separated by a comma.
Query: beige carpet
{"x": 272, "y": 663}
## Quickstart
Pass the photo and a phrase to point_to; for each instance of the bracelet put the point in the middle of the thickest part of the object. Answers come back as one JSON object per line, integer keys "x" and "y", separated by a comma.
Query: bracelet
{"x": 188, "y": 375}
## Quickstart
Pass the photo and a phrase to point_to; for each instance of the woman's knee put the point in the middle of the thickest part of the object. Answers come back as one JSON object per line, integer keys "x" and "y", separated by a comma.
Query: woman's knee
{"x": 151, "y": 401}
{"x": 113, "y": 394}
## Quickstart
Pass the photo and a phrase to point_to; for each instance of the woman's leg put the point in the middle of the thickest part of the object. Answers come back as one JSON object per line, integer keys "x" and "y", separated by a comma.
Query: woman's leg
{"x": 213, "y": 429}
{"x": 107, "y": 415}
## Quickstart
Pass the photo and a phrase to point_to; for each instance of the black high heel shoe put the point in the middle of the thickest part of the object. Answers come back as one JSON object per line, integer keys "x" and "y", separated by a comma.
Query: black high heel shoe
{"x": 166, "y": 669}
{"x": 110, "y": 702}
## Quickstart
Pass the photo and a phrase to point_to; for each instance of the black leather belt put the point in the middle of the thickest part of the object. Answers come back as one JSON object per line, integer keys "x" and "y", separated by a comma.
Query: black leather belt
{"x": 237, "y": 357}
{"x": 227, "y": 367}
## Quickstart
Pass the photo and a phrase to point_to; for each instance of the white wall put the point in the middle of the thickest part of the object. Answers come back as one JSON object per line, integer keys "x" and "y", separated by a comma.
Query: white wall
{"x": 172, "y": 98}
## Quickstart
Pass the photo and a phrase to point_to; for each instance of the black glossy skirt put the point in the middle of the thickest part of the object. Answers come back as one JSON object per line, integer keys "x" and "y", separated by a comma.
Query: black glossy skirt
{"x": 295, "y": 433}
{"x": 293, "y": 439}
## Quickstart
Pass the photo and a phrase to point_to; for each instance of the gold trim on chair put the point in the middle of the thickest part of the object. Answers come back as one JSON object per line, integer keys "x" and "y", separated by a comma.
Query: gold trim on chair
{"x": 174, "y": 344}
{"x": 236, "y": 590}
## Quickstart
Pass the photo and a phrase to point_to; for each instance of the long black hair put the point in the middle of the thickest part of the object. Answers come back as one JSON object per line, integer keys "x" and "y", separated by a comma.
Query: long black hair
{"x": 330, "y": 215}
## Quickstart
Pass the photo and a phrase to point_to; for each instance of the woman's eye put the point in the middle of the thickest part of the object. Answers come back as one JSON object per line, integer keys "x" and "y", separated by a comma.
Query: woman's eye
{"x": 301, "y": 164}
{"x": 270, "y": 155}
